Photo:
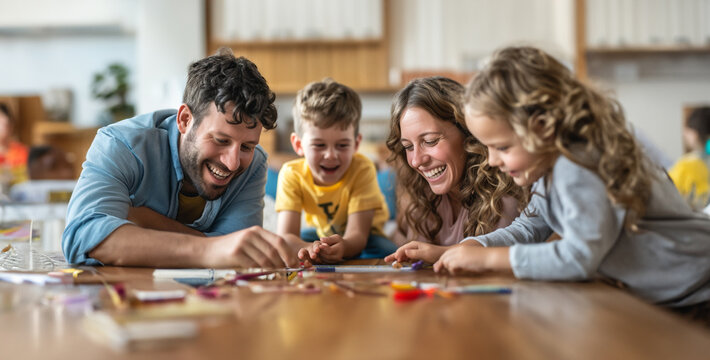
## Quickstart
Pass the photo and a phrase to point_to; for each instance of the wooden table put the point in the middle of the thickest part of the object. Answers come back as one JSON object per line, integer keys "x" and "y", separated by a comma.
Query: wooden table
{"x": 538, "y": 320}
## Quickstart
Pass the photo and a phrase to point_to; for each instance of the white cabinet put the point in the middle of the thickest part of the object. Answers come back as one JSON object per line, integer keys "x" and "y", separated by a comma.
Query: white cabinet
{"x": 643, "y": 23}
{"x": 270, "y": 20}
{"x": 68, "y": 16}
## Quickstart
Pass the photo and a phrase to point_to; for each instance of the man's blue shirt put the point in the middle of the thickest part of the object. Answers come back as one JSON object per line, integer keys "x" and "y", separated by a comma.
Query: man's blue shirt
{"x": 135, "y": 163}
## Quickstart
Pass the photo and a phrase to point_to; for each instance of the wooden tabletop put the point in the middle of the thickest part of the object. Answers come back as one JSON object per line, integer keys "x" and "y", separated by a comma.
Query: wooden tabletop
{"x": 538, "y": 320}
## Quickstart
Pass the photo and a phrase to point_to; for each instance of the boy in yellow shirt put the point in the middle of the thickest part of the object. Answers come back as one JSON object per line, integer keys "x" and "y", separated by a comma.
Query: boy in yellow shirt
{"x": 691, "y": 174}
{"x": 335, "y": 186}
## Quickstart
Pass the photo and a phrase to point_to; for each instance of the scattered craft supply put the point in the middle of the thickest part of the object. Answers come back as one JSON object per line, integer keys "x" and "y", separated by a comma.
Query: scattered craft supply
{"x": 120, "y": 290}
{"x": 416, "y": 293}
{"x": 481, "y": 289}
{"x": 402, "y": 286}
{"x": 32, "y": 277}
{"x": 212, "y": 292}
{"x": 407, "y": 295}
{"x": 74, "y": 272}
{"x": 298, "y": 289}
{"x": 351, "y": 289}
{"x": 205, "y": 277}
{"x": 159, "y": 295}
{"x": 124, "y": 335}
{"x": 361, "y": 269}
{"x": 24, "y": 257}
{"x": 116, "y": 292}
{"x": 73, "y": 301}
{"x": 418, "y": 265}
{"x": 407, "y": 292}
{"x": 250, "y": 276}
{"x": 427, "y": 286}
{"x": 203, "y": 274}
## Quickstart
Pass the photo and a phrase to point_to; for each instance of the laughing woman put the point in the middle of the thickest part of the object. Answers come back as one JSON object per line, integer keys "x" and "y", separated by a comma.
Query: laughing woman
{"x": 445, "y": 189}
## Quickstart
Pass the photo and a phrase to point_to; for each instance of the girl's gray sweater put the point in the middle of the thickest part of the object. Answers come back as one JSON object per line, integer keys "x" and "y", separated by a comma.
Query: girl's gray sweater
{"x": 667, "y": 262}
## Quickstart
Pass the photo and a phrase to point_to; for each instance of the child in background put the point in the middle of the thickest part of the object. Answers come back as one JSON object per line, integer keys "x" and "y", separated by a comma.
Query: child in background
{"x": 13, "y": 154}
{"x": 569, "y": 147}
{"x": 691, "y": 174}
{"x": 335, "y": 186}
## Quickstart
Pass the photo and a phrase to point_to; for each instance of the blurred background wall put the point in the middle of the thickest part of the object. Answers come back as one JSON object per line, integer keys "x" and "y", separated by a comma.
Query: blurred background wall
{"x": 654, "y": 54}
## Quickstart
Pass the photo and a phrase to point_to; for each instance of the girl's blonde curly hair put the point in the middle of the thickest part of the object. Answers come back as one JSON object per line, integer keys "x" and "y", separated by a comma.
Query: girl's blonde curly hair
{"x": 553, "y": 113}
{"x": 482, "y": 187}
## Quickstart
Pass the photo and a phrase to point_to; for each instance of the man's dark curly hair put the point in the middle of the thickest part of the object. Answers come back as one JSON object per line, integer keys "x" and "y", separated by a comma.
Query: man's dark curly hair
{"x": 223, "y": 78}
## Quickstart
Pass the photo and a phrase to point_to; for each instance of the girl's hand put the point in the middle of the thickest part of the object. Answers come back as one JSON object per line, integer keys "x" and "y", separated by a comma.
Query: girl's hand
{"x": 464, "y": 258}
{"x": 417, "y": 250}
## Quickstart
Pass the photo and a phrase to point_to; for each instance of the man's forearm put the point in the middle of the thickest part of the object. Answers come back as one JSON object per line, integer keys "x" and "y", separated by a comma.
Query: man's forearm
{"x": 150, "y": 219}
{"x": 132, "y": 245}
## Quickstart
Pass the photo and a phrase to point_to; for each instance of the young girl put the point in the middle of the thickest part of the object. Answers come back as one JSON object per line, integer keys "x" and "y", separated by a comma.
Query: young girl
{"x": 619, "y": 217}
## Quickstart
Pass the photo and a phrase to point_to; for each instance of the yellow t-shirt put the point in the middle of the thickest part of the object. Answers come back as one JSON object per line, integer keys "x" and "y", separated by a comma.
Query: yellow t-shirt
{"x": 327, "y": 207}
{"x": 692, "y": 178}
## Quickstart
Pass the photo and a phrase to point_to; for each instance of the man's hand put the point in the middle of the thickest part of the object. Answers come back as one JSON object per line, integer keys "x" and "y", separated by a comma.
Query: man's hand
{"x": 417, "y": 250}
{"x": 252, "y": 247}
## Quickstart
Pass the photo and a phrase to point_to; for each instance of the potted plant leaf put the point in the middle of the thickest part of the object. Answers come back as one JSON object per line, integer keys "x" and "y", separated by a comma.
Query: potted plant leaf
{"x": 111, "y": 86}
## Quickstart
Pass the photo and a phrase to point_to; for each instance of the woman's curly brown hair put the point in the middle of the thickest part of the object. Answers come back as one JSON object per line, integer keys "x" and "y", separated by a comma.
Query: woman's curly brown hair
{"x": 482, "y": 187}
{"x": 553, "y": 113}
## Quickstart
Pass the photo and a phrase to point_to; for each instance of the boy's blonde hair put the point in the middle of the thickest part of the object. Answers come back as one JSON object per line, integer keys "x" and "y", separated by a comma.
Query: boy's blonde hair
{"x": 327, "y": 103}
{"x": 553, "y": 113}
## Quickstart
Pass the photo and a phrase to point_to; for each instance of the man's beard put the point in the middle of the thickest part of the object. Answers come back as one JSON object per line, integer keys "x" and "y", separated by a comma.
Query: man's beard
{"x": 192, "y": 170}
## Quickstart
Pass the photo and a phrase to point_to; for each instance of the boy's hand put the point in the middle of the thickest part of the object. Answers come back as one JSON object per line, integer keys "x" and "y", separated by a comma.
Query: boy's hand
{"x": 331, "y": 249}
{"x": 417, "y": 250}
{"x": 309, "y": 254}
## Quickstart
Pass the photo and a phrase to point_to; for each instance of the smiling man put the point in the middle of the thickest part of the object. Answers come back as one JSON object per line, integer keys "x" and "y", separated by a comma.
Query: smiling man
{"x": 185, "y": 187}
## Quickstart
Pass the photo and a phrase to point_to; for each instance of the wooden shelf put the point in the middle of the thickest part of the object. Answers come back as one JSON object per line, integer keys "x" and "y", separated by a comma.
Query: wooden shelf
{"x": 27, "y": 111}
{"x": 295, "y": 43}
{"x": 583, "y": 51}
{"x": 43, "y": 129}
{"x": 72, "y": 140}
{"x": 361, "y": 90}
{"x": 648, "y": 50}
{"x": 462, "y": 77}
{"x": 288, "y": 65}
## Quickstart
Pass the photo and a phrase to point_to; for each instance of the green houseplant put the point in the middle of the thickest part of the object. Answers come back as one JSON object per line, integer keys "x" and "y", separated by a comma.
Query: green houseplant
{"x": 111, "y": 86}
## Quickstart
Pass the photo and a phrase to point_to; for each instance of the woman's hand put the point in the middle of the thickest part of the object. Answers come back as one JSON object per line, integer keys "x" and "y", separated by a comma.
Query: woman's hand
{"x": 417, "y": 250}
